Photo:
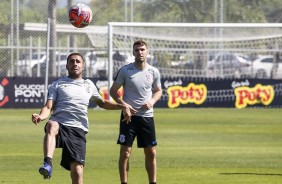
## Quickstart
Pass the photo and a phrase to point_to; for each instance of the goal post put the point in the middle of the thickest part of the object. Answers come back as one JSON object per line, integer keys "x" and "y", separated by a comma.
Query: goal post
{"x": 186, "y": 49}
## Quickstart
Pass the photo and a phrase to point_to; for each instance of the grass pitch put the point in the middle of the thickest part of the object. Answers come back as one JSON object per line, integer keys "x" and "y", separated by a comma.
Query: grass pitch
{"x": 195, "y": 146}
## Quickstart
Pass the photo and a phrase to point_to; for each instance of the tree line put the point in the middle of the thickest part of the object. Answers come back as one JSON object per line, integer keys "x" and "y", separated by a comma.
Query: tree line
{"x": 180, "y": 11}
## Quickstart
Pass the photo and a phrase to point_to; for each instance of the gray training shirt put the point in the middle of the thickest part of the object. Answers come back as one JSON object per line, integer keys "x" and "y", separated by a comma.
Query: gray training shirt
{"x": 138, "y": 86}
{"x": 71, "y": 98}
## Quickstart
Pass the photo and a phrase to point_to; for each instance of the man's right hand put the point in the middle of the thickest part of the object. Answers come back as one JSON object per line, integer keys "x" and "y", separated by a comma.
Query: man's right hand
{"x": 128, "y": 111}
{"x": 35, "y": 118}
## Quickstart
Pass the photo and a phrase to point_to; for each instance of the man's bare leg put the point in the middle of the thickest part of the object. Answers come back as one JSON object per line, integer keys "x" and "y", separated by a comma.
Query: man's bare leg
{"x": 125, "y": 152}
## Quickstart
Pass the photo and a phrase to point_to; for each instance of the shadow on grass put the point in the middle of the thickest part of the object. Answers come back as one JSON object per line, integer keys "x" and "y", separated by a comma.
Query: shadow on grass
{"x": 258, "y": 174}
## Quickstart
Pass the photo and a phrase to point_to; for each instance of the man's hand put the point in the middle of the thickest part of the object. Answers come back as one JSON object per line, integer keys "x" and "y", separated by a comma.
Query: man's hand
{"x": 148, "y": 105}
{"x": 128, "y": 111}
{"x": 35, "y": 118}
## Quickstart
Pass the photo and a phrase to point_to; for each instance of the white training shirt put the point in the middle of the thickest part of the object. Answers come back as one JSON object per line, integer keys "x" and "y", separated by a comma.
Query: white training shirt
{"x": 138, "y": 86}
{"x": 71, "y": 99}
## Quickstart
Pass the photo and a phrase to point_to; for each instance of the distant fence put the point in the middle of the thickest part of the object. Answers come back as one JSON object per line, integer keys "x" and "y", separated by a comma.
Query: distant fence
{"x": 18, "y": 92}
{"x": 209, "y": 50}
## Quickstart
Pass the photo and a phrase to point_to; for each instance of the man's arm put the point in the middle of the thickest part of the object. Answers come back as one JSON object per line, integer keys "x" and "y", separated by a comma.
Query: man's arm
{"x": 114, "y": 93}
{"x": 157, "y": 93}
{"x": 106, "y": 104}
{"x": 44, "y": 113}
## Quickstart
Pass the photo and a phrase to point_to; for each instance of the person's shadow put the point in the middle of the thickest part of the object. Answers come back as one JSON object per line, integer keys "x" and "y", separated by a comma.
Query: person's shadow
{"x": 243, "y": 173}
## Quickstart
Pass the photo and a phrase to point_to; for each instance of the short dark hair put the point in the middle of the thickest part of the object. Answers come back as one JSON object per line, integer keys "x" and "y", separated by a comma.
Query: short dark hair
{"x": 140, "y": 42}
{"x": 75, "y": 54}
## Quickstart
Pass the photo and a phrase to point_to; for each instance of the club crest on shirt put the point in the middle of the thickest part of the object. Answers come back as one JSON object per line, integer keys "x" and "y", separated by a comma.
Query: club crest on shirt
{"x": 87, "y": 86}
{"x": 149, "y": 77}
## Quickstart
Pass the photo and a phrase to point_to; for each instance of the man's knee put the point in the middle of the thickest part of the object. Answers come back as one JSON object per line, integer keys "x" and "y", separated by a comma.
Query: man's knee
{"x": 52, "y": 127}
{"x": 76, "y": 170}
{"x": 150, "y": 153}
{"x": 125, "y": 153}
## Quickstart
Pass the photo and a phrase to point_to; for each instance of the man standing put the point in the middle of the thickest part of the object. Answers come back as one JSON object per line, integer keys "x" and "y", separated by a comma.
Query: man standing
{"x": 142, "y": 89}
{"x": 68, "y": 98}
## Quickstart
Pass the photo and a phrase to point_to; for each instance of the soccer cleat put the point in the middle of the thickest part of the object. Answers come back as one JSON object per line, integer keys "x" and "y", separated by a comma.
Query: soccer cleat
{"x": 46, "y": 171}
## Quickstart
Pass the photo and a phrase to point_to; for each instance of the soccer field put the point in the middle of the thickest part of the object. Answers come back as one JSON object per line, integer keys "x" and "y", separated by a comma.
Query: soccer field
{"x": 195, "y": 146}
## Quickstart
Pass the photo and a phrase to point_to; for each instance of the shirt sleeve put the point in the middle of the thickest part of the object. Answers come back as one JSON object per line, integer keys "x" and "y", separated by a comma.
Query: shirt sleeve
{"x": 119, "y": 79}
{"x": 95, "y": 93}
{"x": 52, "y": 92}
{"x": 157, "y": 79}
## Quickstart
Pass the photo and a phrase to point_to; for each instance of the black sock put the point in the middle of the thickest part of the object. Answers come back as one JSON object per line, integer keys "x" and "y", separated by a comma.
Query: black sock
{"x": 153, "y": 183}
{"x": 48, "y": 160}
{"x": 123, "y": 182}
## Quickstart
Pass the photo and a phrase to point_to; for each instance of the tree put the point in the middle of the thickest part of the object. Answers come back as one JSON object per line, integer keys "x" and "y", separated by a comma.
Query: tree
{"x": 272, "y": 10}
{"x": 107, "y": 10}
{"x": 241, "y": 11}
{"x": 201, "y": 11}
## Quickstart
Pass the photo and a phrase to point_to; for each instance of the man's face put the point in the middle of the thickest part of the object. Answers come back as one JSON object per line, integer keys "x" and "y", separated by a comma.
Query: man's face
{"x": 75, "y": 66}
{"x": 140, "y": 52}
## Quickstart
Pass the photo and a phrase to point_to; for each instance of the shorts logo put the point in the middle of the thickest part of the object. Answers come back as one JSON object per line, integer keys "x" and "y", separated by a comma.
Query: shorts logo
{"x": 121, "y": 138}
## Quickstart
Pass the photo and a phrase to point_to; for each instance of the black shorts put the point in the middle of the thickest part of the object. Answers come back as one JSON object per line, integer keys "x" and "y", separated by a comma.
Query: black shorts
{"x": 142, "y": 127}
{"x": 73, "y": 143}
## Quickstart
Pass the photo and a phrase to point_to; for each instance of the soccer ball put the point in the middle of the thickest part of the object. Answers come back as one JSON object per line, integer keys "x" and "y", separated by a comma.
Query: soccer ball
{"x": 80, "y": 15}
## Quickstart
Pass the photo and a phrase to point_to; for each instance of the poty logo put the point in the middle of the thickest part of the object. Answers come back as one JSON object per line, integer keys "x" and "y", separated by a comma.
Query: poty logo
{"x": 193, "y": 93}
{"x": 260, "y": 94}
{"x": 3, "y": 98}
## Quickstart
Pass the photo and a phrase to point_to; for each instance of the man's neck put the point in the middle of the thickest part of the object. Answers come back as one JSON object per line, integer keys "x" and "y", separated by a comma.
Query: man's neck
{"x": 75, "y": 77}
{"x": 140, "y": 65}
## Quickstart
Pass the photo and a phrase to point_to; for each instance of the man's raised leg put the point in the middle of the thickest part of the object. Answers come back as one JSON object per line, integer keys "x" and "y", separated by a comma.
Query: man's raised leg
{"x": 49, "y": 145}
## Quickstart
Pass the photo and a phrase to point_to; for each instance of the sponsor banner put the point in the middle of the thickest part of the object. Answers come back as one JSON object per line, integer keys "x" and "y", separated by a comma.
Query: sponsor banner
{"x": 238, "y": 93}
{"x": 18, "y": 92}
{"x": 21, "y": 92}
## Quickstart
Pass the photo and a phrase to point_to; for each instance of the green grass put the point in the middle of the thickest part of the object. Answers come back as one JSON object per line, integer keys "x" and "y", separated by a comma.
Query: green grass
{"x": 195, "y": 146}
